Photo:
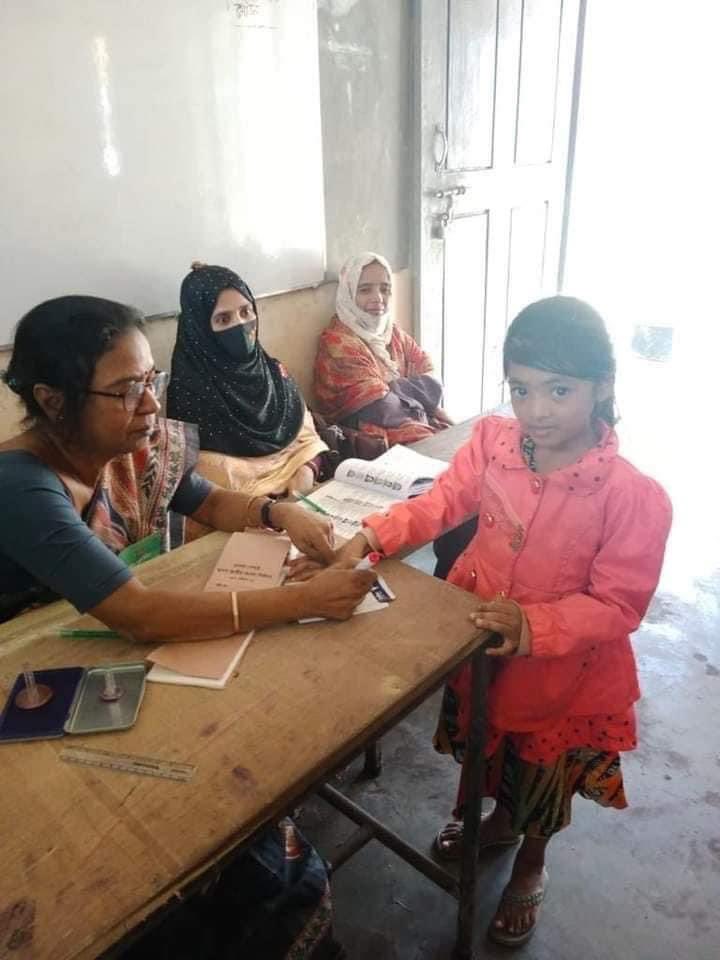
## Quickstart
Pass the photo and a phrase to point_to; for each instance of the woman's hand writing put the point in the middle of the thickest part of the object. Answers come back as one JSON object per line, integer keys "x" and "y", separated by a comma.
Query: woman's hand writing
{"x": 335, "y": 592}
{"x": 303, "y": 568}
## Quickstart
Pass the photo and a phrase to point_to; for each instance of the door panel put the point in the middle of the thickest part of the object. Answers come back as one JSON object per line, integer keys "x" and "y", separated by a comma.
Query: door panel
{"x": 495, "y": 88}
{"x": 472, "y": 48}
{"x": 539, "y": 52}
{"x": 464, "y": 343}
{"x": 528, "y": 231}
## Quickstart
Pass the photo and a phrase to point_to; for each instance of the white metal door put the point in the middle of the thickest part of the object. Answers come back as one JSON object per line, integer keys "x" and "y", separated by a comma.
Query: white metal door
{"x": 495, "y": 90}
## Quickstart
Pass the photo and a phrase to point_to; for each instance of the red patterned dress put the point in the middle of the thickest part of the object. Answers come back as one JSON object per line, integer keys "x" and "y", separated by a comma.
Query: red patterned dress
{"x": 349, "y": 377}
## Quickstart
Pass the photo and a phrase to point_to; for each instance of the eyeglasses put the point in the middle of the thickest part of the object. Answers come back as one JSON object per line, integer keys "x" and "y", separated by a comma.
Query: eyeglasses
{"x": 156, "y": 384}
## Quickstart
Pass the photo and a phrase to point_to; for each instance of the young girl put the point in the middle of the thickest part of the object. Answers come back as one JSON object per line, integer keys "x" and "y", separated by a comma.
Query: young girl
{"x": 565, "y": 560}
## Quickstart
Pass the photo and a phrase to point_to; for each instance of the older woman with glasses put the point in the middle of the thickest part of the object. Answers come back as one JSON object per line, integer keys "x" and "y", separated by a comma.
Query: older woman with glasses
{"x": 98, "y": 470}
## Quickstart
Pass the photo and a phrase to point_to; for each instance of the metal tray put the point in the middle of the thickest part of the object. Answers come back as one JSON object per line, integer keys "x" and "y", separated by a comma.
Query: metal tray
{"x": 90, "y": 713}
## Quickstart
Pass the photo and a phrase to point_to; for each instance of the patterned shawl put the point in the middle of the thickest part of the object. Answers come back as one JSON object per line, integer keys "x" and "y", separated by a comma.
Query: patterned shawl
{"x": 134, "y": 491}
{"x": 131, "y": 501}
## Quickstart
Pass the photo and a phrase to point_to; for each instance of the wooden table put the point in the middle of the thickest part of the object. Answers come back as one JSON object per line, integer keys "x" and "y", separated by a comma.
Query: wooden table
{"x": 445, "y": 444}
{"x": 88, "y": 853}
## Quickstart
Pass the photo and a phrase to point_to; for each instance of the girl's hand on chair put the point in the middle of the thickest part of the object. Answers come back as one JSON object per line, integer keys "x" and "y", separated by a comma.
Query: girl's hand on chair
{"x": 506, "y": 618}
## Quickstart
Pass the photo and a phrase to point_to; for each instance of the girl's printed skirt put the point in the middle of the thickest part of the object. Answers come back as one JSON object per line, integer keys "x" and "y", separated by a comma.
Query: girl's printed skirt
{"x": 535, "y": 776}
{"x": 538, "y": 798}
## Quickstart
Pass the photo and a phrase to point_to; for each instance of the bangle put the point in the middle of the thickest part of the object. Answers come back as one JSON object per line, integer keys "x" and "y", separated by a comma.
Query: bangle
{"x": 248, "y": 505}
{"x": 265, "y": 518}
{"x": 315, "y": 466}
{"x": 236, "y": 615}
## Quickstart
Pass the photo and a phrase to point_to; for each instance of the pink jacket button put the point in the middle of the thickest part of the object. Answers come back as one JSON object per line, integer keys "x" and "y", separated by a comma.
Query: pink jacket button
{"x": 536, "y": 484}
{"x": 488, "y": 520}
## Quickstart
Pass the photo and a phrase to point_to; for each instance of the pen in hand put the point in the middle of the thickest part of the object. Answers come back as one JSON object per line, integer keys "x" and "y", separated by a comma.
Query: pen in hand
{"x": 311, "y": 503}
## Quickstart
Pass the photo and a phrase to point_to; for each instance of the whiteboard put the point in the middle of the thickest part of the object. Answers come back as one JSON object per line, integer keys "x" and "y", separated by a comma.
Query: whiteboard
{"x": 138, "y": 136}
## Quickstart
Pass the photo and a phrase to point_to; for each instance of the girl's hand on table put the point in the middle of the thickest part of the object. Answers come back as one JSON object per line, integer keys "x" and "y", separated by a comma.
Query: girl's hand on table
{"x": 506, "y": 618}
{"x": 347, "y": 555}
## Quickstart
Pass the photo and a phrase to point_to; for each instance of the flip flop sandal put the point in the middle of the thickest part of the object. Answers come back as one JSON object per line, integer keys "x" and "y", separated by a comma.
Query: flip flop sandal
{"x": 535, "y": 899}
{"x": 450, "y": 850}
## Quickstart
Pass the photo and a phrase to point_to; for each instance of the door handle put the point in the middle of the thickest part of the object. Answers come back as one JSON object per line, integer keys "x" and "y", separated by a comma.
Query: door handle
{"x": 440, "y": 148}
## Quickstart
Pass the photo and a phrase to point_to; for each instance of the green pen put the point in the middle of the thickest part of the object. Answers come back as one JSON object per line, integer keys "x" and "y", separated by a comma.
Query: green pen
{"x": 90, "y": 634}
{"x": 312, "y": 504}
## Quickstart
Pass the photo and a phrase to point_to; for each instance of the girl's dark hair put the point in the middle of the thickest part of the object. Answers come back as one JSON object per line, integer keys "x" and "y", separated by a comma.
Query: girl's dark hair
{"x": 563, "y": 335}
{"x": 59, "y": 343}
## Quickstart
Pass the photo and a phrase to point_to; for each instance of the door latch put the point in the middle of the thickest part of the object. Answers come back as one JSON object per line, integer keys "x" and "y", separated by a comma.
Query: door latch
{"x": 449, "y": 192}
{"x": 441, "y": 221}
{"x": 439, "y": 226}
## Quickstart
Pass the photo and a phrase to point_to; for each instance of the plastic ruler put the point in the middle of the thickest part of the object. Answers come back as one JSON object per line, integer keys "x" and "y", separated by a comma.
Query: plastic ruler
{"x": 129, "y": 763}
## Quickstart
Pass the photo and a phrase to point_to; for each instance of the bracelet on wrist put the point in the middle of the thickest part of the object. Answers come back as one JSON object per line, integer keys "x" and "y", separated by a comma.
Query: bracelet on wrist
{"x": 248, "y": 511}
{"x": 315, "y": 468}
{"x": 265, "y": 517}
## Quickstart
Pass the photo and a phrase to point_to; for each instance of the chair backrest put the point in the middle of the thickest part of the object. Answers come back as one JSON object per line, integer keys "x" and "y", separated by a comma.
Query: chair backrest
{"x": 290, "y": 324}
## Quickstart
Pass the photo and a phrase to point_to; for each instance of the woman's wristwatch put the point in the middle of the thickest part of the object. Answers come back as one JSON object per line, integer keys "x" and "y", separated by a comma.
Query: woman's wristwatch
{"x": 265, "y": 519}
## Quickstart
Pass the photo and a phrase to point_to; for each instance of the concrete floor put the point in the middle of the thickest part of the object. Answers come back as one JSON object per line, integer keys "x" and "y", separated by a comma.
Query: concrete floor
{"x": 642, "y": 884}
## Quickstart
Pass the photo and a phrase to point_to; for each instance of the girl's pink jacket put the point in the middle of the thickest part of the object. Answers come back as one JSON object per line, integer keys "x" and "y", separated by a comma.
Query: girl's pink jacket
{"x": 580, "y": 549}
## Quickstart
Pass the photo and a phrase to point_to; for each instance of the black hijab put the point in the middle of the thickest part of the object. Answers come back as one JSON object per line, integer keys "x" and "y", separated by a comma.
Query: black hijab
{"x": 243, "y": 402}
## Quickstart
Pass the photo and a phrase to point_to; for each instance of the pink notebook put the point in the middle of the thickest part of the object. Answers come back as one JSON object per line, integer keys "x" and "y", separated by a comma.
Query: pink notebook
{"x": 199, "y": 663}
{"x": 249, "y": 561}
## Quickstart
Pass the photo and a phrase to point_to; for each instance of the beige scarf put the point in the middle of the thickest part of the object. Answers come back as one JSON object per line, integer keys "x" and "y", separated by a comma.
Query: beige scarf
{"x": 376, "y": 332}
